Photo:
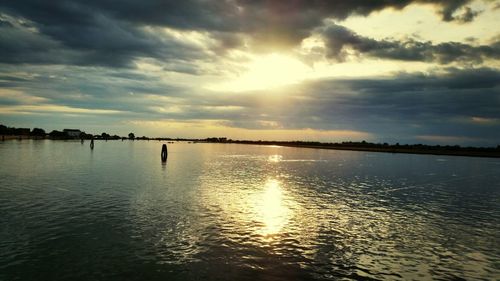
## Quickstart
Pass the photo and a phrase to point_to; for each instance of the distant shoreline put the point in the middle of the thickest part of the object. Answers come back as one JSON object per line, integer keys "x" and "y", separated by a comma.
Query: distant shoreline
{"x": 488, "y": 152}
{"x": 434, "y": 150}
{"x": 403, "y": 151}
{"x": 7, "y": 133}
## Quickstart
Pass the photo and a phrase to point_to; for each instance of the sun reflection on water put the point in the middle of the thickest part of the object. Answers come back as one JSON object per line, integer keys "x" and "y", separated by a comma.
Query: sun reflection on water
{"x": 271, "y": 208}
{"x": 275, "y": 158}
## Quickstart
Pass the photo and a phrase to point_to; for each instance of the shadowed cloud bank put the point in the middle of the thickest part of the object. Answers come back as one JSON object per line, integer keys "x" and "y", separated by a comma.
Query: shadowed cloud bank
{"x": 149, "y": 65}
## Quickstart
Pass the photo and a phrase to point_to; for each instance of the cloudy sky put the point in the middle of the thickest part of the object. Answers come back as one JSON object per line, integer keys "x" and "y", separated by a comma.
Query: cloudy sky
{"x": 421, "y": 71}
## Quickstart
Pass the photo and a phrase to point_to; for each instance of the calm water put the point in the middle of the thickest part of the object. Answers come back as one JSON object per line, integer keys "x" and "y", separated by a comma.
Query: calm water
{"x": 242, "y": 212}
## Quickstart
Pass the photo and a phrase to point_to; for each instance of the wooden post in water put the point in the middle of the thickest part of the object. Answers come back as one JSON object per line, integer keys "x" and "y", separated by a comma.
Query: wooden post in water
{"x": 92, "y": 144}
{"x": 164, "y": 153}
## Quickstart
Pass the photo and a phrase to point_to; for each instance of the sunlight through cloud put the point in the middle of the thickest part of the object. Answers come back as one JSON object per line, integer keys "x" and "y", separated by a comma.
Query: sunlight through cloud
{"x": 267, "y": 72}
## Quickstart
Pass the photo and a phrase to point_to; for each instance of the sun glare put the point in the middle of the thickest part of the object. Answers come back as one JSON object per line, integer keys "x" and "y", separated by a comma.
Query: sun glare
{"x": 272, "y": 209}
{"x": 267, "y": 72}
{"x": 275, "y": 158}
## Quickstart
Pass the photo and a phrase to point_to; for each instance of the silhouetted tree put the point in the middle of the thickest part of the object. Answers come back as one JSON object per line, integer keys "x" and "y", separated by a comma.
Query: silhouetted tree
{"x": 86, "y": 136}
{"x": 3, "y": 130}
{"x": 21, "y": 131}
{"x": 58, "y": 135}
{"x": 131, "y": 136}
{"x": 37, "y": 132}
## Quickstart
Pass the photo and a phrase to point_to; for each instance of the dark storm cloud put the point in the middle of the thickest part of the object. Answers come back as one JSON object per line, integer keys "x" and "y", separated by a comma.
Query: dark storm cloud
{"x": 374, "y": 105}
{"x": 468, "y": 15}
{"x": 219, "y": 15}
{"x": 48, "y": 50}
{"x": 458, "y": 102}
{"x": 401, "y": 107}
{"x": 111, "y": 33}
{"x": 4, "y": 23}
{"x": 340, "y": 40}
{"x": 102, "y": 42}
{"x": 468, "y": 92}
{"x": 413, "y": 104}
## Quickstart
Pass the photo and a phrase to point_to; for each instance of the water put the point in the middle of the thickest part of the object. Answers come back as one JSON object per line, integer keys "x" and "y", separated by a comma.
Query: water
{"x": 243, "y": 212}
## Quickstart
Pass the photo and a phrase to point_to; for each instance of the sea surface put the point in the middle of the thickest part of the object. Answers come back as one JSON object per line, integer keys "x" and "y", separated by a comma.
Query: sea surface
{"x": 243, "y": 212}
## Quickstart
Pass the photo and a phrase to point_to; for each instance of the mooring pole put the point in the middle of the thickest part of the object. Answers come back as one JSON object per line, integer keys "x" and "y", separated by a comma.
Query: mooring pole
{"x": 92, "y": 144}
{"x": 164, "y": 153}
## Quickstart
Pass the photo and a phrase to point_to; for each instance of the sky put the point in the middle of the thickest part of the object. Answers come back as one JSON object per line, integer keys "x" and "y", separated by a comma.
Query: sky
{"x": 420, "y": 71}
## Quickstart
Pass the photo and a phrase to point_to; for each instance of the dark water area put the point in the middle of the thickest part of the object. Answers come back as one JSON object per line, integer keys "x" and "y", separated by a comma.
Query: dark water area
{"x": 243, "y": 212}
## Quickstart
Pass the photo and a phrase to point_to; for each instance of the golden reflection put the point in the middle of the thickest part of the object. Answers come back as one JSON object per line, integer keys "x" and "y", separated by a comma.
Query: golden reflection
{"x": 275, "y": 158}
{"x": 271, "y": 209}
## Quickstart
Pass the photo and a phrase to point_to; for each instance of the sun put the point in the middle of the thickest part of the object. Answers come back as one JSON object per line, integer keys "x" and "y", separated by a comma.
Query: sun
{"x": 267, "y": 72}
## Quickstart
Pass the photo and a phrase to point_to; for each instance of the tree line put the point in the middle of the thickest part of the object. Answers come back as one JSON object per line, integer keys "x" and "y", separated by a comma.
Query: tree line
{"x": 362, "y": 145}
{"x": 55, "y": 134}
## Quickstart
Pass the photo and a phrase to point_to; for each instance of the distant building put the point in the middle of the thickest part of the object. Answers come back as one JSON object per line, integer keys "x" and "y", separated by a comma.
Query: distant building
{"x": 73, "y": 133}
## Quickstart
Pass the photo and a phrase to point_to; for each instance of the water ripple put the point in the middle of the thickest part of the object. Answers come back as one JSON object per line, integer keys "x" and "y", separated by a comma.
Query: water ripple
{"x": 235, "y": 212}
